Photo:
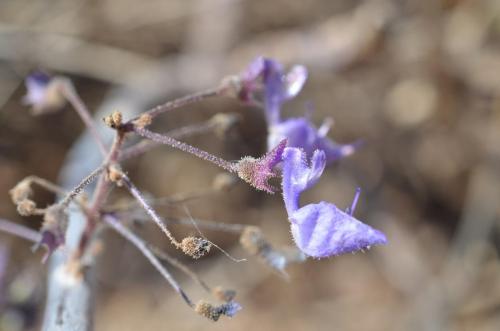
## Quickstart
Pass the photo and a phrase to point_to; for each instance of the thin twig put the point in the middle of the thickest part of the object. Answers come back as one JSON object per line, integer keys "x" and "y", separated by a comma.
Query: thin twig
{"x": 162, "y": 255}
{"x": 99, "y": 198}
{"x": 69, "y": 92}
{"x": 180, "y": 102}
{"x": 144, "y": 249}
{"x": 146, "y": 145}
{"x": 149, "y": 210}
{"x": 186, "y": 148}
{"x": 80, "y": 187}
{"x": 19, "y": 230}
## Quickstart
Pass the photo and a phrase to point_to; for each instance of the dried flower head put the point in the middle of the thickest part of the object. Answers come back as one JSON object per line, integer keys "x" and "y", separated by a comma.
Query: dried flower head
{"x": 258, "y": 172}
{"x": 114, "y": 120}
{"x": 253, "y": 241}
{"x": 215, "y": 312}
{"x": 321, "y": 229}
{"x": 195, "y": 247}
{"x": 43, "y": 93}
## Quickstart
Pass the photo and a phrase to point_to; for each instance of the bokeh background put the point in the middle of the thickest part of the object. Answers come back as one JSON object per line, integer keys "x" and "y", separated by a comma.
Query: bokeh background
{"x": 418, "y": 81}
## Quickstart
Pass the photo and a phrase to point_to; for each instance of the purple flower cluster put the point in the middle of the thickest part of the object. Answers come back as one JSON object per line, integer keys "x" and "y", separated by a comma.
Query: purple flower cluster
{"x": 319, "y": 229}
{"x": 267, "y": 77}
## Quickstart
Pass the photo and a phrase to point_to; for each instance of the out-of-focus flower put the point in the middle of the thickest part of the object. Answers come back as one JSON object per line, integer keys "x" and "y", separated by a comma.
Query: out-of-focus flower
{"x": 301, "y": 133}
{"x": 265, "y": 83}
{"x": 43, "y": 93}
{"x": 321, "y": 229}
{"x": 265, "y": 79}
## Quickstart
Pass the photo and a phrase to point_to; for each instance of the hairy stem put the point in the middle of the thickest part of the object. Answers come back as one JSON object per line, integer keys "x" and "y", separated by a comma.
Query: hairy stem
{"x": 69, "y": 92}
{"x": 81, "y": 186}
{"x": 186, "y": 131}
{"x": 186, "y": 148}
{"x": 180, "y": 102}
{"x": 149, "y": 210}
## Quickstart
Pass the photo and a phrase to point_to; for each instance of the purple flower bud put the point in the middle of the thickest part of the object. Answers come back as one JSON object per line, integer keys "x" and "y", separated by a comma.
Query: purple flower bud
{"x": 43, "y": 93}
{"x": 267, "y": 76}
{"x": 321, "y": 229}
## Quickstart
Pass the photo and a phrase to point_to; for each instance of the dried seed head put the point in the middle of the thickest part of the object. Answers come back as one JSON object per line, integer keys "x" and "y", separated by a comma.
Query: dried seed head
{"x": 195, "y": 247}
{"x": 26, "y": 207}
{"x": 114, "y": 120}
{"x": 253, "y": 241}
{"x": 143, "y": 121}
{"x": 21, "y": 191}
{"x": 214, "y": 313}
{"x": 115, "y": 174}
{"x": 223, "y": 294}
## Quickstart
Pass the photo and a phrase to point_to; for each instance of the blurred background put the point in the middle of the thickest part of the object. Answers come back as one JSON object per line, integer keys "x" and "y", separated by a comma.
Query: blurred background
{"x": 418, "y": 81}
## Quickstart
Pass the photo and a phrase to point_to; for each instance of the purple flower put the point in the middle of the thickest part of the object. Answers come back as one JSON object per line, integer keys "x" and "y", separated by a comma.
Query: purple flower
{"x": 269, "y": 78}
{"x": 321, "y": 229}
{"x": 43, "y": 93}
{"x": 301, "y": 133}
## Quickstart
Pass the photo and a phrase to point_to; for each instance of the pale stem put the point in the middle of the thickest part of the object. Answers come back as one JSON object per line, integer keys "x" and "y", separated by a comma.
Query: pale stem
{"x": 19, "y": 230}
{"x": 69, "y": 92}
{"x": 186, "y": 148}
{"x": 141, "y": 245}
{"x": 149, "y": 210}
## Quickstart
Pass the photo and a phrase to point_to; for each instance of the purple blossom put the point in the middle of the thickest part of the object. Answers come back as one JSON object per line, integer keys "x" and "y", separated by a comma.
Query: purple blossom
{"x": 42, "y": 93}
{"x": 268, "y": 77}
{"x": 321, "y": 229}
{"x": 301, "y": 133}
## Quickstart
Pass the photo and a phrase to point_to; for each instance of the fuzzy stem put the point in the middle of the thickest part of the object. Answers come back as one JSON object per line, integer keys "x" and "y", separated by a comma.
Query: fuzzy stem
{"x": 141, "y": 245}
{"x": 231, "y": 167}
{"x": 69, "y": 92}
{"x": 99, "y": 198}
{"x": 180, "y": 102}
{"x": 146, "y": 145}
{"x": 80, "y": 187}
{"x": 151, "y": 212}
{"x": 19, "y": 230}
